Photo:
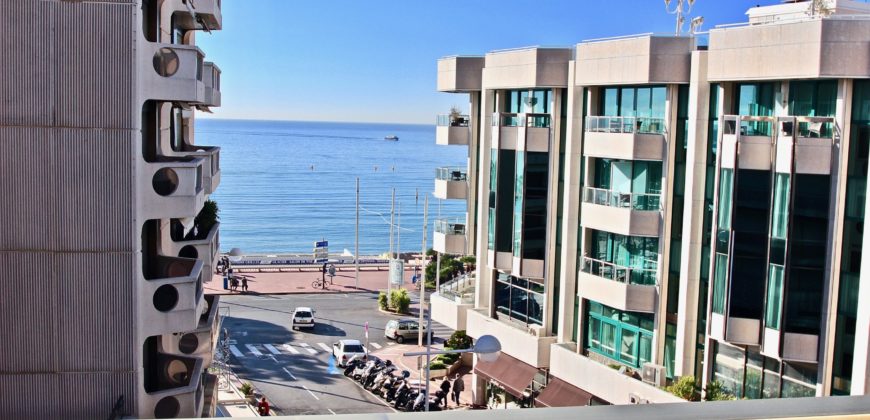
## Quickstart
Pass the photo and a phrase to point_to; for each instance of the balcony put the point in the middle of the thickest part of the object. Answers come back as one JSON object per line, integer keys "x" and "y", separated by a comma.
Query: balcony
{"x": 452, "y": 300}
{"x": 212, "y": 81}
{"x": 176, "y": 189}
{"x": 629, "y": 138}
{"x": 176, "y": 295}
{"x": 529, "y": 344}
{"x": 807, "y": 143}
{"x": 453, "y": 130}
{"x": 192, "y": 15}
{"x": 211, "y": 176}
{"x": 173, "y": 386}
{"x": 529, "y": 132}
{"x": 601, "y": 380}
{"x": 632, "y": 214}
{"x": 172, "y": 72}
{"x": 754, "y": 134}
{"x": 451, "y": 183}
{"x": 449, "y": 237}
{"x": 623, "y": 288}
{"x": 204, "y": 245}
{"x": 200, "y": 342}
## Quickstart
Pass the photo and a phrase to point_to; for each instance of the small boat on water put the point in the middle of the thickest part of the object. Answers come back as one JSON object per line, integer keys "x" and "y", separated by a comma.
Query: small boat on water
{"x": 392, "y": 138}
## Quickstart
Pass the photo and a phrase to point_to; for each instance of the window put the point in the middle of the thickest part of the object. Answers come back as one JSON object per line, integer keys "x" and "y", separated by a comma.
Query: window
{"x": 519, "y": 299}
{"x": 719, "y": 283}
{"x": 622, "y": 336}
{"x": 774, "y": 297}
{"x": 639, "y": 254}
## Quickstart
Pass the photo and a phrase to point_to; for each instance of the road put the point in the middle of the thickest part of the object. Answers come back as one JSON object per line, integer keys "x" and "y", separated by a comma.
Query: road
{"x": 293, "y": 369}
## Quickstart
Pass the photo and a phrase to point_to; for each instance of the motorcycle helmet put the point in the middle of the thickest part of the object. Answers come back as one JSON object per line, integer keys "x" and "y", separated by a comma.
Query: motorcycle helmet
{"x": 406, "y": 374}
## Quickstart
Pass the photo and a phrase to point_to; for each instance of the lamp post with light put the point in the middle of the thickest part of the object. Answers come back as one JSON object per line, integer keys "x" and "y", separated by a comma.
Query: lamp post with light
{"x": 487, "y": 349}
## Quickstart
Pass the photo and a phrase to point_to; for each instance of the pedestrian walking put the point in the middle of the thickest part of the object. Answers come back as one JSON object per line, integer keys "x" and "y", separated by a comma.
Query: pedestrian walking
{"x": 445, "y": 388}
{"x": 263, "y": 407}
{"x": 458, "y": 387}
{"x": 245, "y": 284}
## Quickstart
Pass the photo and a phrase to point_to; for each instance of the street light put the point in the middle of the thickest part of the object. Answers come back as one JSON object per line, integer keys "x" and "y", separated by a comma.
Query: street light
{"x": 487, "y": 348}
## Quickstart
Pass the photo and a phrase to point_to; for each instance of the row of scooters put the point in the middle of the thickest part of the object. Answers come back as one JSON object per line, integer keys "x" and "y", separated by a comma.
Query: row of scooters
{"x": 384, "y": 379}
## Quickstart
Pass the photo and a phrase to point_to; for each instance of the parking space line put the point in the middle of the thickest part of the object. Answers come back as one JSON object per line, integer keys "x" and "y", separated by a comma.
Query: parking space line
{"x": 272, "y": 349}
{"x": 376, "y": 346}
{"x": 307, "y": 348}
{"x": 324, "y": 347}
{"x": 253, "y": 350}
{"x": 312, "y": 394}
{"x": 288, "y": 372}
{"x": 235, "y": 351}
{"x": 330, "y": 410}
{"x": 290, "y": 349}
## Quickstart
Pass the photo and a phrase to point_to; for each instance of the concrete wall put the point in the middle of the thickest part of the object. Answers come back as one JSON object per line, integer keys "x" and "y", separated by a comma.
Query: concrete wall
{"x": 526, "y": 68}
{"x": 516, "y": 340}
{"x": 459, "y": 74}
{"x": 448, "y": 312}
{"x": 645, "y": 59}
{"x": 829, "y": 48}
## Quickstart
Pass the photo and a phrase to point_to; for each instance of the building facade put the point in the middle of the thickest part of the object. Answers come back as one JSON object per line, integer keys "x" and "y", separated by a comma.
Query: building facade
{"x": 106, "y": 229}
{"x": 652, "y": 207}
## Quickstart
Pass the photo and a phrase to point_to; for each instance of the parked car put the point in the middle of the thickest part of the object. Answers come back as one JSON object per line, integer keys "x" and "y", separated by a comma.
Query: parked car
{"x": 302, "y": 318}
{"x": 402, "y": 329}
{"x": 344, "y": 350}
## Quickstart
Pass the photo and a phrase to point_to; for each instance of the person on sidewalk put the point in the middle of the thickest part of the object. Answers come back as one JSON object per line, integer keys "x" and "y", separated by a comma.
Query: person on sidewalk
{"x": 245, "y": 284}
{"x": 263, "y": 407}
{"x": 445, "y": 388}
{"x": 458, "y": 387}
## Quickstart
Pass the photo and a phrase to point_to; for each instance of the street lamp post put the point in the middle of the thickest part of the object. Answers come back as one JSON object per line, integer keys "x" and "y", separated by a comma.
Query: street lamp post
{"x": 487, "y": 349}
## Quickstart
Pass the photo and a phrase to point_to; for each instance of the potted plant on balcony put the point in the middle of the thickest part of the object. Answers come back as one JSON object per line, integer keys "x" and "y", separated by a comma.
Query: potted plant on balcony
{"x": 206, "y": 219}
{"x": 456, "y": 118}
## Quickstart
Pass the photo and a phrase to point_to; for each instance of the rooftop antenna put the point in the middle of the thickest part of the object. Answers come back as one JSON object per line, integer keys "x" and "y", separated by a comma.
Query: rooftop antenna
{"x": 695, "y": 24}
{"x": 683, "y": 8}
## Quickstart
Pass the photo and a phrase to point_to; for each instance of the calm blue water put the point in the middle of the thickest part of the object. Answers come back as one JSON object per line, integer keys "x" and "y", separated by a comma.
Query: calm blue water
{"x": 286, "y": 184}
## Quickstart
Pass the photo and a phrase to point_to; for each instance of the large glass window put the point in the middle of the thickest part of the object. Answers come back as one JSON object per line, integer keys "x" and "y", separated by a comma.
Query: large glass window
{"x": 774, "y": 297}
{"x": 746, "y": 373}
{"x": 720, "y": 281}
{"x": 493, "y": 187}
{"x": 622, "y": 336}
{"x": 756, "y": 99}
{"x": 620, "y": 256}
{"x": 646, "y": 103}
{"x": 519, "y": 299}
{"x": 519, "y": 183}
{"x": 504, "y": 208}
{"x": 813, "y": 98}
{"x": 534, "y": 209}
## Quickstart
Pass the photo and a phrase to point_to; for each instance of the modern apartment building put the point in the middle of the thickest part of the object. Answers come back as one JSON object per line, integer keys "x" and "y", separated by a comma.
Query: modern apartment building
{"x": 105, "y": 238}
{"x": 650, "y": 207}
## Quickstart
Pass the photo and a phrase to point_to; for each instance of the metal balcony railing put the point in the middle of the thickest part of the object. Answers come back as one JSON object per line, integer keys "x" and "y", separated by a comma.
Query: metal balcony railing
{"x": 634, "y": 201}
{"x": 610, "y": 271}
{"x": 460, "y": 288}
{"x": 639, "y": 125}
{"x": 449, "y": 227}
{"x": 452, "y": 120}
{"x": 451, "y": 174}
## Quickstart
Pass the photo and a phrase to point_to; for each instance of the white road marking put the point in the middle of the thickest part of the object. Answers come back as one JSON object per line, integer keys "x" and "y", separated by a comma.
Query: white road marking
{"x": 312, "y": 394}
{"x": 376, "y": 345}
{"x": 390, "y": 343}
{"x": 290, "y": 349}
{"x": 235, "y": 351}
{"x": 230, "y": 341}
{"x": 272, "y": 356}
{"x": 330, "y": 410}
{"x": 288, "y": 372}
{"x": 307, "y": 348}
{"x": 324, "y": 347}
{"x": 253, "y": 350}
{"x": 272, "y": 349}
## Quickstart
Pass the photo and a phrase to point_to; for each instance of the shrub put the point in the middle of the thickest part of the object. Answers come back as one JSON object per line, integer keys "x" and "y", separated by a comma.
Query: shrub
{"x": 400, "y": 300}
{"x": 715, "y": 392}
{"x": 437, "y": 364}
{"x": 207, "y": 217}
{"x": 684, "y": 387}
{"x": 246, "y": 388}
{"x": 382, "y": 301}
{"x": 459, "y": 340}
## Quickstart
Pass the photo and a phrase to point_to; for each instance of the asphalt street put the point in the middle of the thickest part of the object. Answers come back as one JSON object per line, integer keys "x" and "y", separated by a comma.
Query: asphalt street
{"x": 294, "y": 369}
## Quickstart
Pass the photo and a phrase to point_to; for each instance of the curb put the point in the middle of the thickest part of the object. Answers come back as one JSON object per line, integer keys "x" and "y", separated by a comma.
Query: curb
{"x": 323, "y": 292}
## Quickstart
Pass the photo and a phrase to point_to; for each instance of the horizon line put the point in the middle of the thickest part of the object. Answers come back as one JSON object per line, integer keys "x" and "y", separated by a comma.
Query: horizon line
{"x": 315, "y": 121}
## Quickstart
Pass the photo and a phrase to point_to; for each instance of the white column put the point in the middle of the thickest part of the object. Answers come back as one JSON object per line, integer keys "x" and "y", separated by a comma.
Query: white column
{"x": 482, "y": 293}
{"x": 693, "y": 216}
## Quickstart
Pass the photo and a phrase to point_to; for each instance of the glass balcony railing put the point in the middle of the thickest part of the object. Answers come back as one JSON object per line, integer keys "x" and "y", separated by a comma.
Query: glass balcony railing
{"x": 634, "y": 201}
{"x": 508, "y": 119}
{"x": 809, "y": 127}
{"x": 645, "y": 275}
{"x": 448, "y": 227}
{"x": 639, "y": 125}
{"x": 538, "y": 120}
{"x": 451, "y": 174}
{"x": 452, "y": 120}
{"x": 460, "y": 289}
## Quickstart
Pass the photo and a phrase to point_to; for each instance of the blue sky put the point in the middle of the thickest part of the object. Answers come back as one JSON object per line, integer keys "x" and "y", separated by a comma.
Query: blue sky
{"x": 375, "y": 61}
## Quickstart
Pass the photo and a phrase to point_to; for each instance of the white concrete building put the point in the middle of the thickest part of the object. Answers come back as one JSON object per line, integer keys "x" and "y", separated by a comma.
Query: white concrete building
{"x": 105, "y": 231}
{"x": 651, "y": 207}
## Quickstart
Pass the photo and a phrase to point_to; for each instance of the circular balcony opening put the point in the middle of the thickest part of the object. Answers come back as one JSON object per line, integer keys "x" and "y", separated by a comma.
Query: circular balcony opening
{"x": 166, "y": 62}
{"x": 189, "y": 251}
{"x": 165, "y": 298}
{"x": 177, "y": 372}
{"x": 165, "y": 181}
{"x": 188, "y": 343}
{"x": 167, "y": 408}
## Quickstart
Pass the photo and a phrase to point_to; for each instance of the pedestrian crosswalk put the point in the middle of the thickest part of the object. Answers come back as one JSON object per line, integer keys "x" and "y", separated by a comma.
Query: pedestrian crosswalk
{"x": 290, "y": 349}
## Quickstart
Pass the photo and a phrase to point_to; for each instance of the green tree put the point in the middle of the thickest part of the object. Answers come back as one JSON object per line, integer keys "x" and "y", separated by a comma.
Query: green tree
{"x": 684, "y": 387}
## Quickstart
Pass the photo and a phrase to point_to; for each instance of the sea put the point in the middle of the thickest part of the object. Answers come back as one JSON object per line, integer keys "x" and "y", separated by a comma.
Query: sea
{"x": 288, "y": 184}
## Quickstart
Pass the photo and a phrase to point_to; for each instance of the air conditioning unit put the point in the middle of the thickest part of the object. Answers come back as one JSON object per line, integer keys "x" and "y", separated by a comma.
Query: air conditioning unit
{"x": 654, "y": 374}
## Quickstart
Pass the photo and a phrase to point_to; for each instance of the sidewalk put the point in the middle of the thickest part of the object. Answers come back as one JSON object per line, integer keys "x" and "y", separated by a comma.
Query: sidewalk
{"x": 300, "y": 282}
{"x": 409, "y": 363}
